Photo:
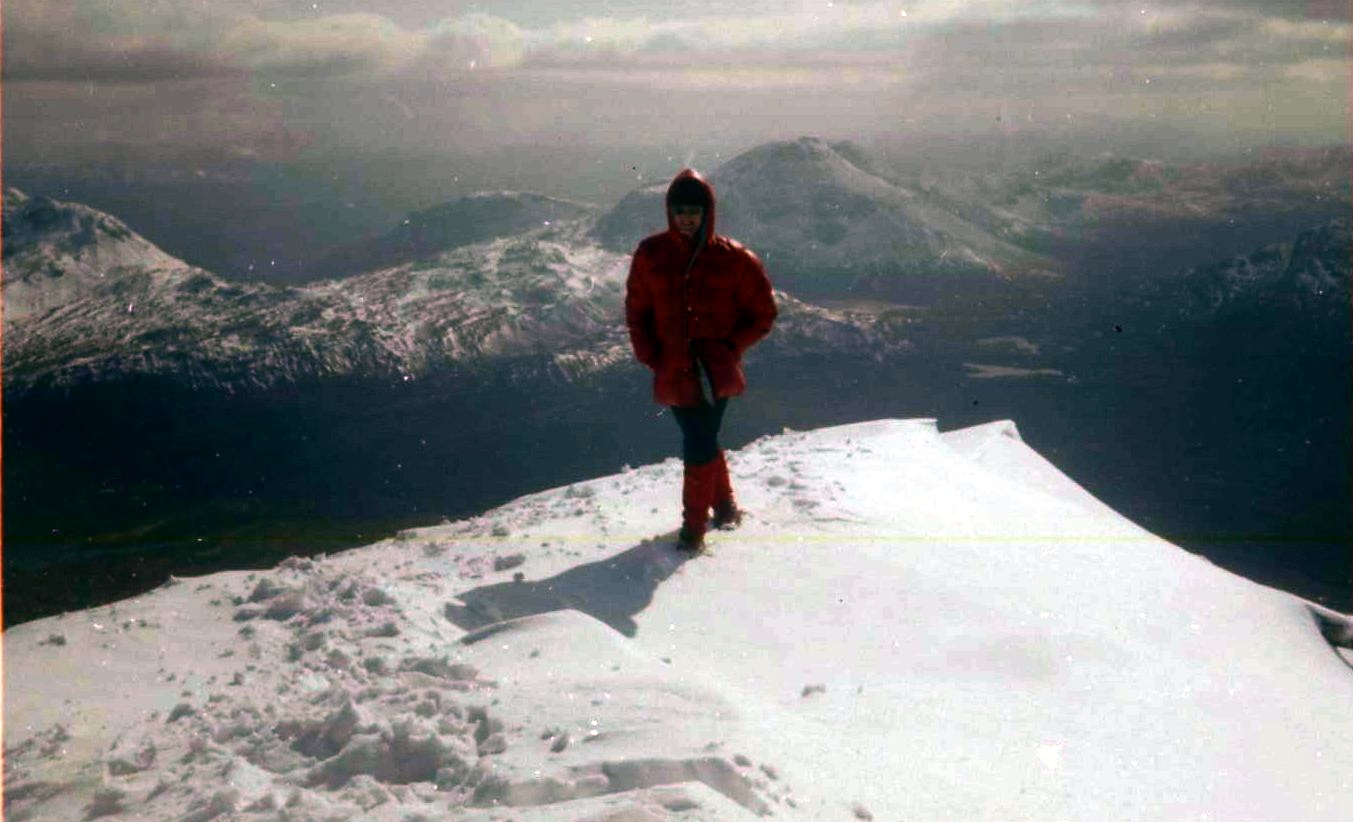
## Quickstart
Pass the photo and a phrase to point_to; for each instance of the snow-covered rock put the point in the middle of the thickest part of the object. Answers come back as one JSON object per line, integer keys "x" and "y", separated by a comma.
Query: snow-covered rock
{"x": 908, "y": 625}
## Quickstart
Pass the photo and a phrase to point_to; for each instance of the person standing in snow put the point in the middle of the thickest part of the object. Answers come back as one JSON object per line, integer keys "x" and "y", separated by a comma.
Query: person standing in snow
{"x": 694, "y": 302}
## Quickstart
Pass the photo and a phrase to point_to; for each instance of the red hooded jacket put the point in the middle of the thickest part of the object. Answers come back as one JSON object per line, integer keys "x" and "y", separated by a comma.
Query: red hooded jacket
{"x": 704, "y": 299}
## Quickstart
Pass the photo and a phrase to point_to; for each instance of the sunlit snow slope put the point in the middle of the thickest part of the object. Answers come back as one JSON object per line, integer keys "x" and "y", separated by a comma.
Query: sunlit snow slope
{"x": 908, "y": 625}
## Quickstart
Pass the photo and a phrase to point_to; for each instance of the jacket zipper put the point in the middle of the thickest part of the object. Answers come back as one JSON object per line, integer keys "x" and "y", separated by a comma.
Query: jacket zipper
{"x": 700, "y": 371}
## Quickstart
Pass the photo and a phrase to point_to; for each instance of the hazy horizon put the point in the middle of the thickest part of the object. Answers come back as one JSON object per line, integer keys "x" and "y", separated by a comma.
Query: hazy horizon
{"x": 133, "y": 83}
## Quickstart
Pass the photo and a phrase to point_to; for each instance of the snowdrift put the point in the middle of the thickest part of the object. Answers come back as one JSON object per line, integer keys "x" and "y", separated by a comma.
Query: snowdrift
{"x": 909, "y": 625}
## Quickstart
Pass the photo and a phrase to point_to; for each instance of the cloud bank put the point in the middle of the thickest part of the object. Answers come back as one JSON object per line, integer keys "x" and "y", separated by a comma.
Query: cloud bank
{"x": 532, "y": 70}
{"x": 107, "y": 41}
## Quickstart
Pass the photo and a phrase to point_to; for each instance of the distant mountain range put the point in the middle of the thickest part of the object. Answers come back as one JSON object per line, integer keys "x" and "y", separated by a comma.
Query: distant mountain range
{"x": 503, "y": 276}
{"x": 534, "y": 294}
{"x": 1122, "y": 219}
{"x": 90, "y": 301}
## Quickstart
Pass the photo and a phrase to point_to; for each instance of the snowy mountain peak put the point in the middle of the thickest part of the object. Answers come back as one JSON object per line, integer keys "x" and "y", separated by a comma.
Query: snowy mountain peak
{"x": 824, "y": 224}
{"x": 807, "y": 161}
{"x": 56, "y": 252}
{"x": 909, "y": 625}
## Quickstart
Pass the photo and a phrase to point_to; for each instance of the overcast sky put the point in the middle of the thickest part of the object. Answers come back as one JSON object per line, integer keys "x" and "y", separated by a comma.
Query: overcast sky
{"x": 274, "y": 79}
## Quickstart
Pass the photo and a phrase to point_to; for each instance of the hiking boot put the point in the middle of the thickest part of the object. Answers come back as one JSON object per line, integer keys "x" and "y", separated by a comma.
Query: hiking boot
{"x": 727, "y": 514}
{"x": 688, "y": 540}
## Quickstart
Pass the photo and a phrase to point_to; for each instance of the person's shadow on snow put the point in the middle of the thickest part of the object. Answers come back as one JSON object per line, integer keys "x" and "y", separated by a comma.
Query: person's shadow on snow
{"x": 612, "y": 590}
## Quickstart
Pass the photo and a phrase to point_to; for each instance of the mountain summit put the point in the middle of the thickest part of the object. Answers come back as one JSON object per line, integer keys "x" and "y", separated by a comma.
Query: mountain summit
{"x": 825, "y": 225}
{"x": 56, "y": 252}
{"x": 909, "y": 625}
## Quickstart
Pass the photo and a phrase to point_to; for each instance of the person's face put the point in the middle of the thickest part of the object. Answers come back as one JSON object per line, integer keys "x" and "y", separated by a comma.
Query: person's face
{"x": 687, "y": 218}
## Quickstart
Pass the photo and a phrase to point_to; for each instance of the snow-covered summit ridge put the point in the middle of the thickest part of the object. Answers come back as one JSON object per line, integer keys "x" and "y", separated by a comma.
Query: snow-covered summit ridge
{"x": 910, "y": 624}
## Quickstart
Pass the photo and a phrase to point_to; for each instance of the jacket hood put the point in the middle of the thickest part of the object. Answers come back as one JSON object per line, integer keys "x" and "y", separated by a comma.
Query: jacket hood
{"x": 707, "y": 227}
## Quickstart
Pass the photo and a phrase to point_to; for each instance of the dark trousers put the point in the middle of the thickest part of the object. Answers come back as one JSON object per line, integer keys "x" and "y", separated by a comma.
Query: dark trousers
{"x": 700, "y": 430}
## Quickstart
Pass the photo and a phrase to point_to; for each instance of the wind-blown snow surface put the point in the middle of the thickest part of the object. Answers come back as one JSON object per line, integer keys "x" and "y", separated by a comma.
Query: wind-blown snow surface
{"x": 908, "y": 625}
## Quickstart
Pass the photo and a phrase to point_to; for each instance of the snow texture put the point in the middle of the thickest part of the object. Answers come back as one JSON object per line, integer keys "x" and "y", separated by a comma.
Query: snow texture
{"x": 908, "y": 625}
